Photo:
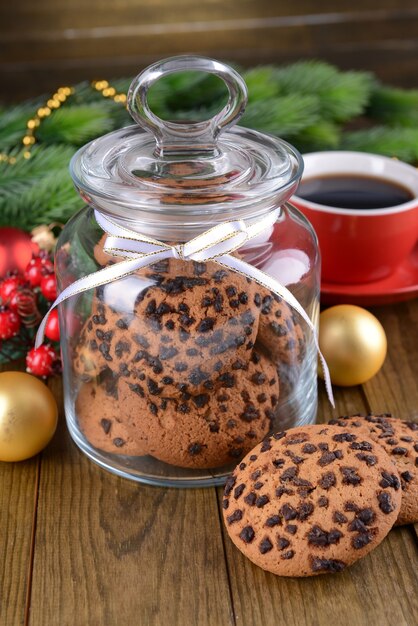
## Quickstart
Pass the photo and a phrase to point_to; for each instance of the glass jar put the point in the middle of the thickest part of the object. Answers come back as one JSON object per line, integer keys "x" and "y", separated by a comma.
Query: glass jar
{"x": 176, "y": 366}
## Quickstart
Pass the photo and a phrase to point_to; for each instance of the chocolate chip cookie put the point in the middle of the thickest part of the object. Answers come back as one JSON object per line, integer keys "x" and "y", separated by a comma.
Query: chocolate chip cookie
{"x": 184, "y": 330}
{"x": 209, "y": 429}
{"x": 101, "y": 420}
{"x": 311, "y": 500}
{"x": 279, "y": 331}
{"x": 400, "y": 440}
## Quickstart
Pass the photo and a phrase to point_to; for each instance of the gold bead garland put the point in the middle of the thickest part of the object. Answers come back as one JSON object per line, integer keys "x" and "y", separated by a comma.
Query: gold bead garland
{"x": 52, "y": 104}
{"x": 103, "y": 87}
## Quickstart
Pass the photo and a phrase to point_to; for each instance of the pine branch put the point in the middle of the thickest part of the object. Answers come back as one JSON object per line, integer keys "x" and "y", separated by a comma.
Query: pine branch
{"x": 76, "y": 124}
{"x": 395, "y": 107}
{"x": 51, "y": 199}
{"x": 342, "y": 95}
{"x": 399, "y": 142}
{"x": 284, "y": 115}
{"x": 17, "y": 178}
{"x": 320, "y": 136}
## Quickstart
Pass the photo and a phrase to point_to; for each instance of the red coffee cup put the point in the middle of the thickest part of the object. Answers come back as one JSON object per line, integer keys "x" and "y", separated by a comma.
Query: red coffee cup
{"x": 361, "y": 245}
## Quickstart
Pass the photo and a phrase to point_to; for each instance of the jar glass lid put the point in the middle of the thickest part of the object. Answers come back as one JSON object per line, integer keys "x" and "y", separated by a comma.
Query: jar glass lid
{"x": 158, "y": 170}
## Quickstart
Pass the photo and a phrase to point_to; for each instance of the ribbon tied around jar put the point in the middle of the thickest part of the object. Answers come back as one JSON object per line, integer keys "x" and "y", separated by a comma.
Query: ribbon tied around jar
{"x": 215, "y": 244}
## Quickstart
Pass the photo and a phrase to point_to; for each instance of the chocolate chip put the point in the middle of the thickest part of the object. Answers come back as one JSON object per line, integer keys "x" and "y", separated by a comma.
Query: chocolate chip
{"x": 400, "y": 451}
{"x": 369, "y": 459}
{"x": 327, "y": 565}
{"x": 361, "y": 540}
{"x": 194, "y": 449}
{"x": 291, "y": 529}
{"x": 238, "y": 491}
{"x": 265, "y": 446}
{"x": 309, "y": 448}
{"x": 247, "y": 534}
{"x": 389, "y": 480}
{"x": 118, "y": 442}
{"x": 288, "y": 555}
{"x": 201, "y": 400}
{"x": 282, "y": 543}
{"x": 305, "y": 510}
{"x": 136, "y": 388}
{"x": 180, "y": 366}
{"x": 319, "y": 537}
{"x": 329, "y": 457}
{"x": 265, "y": 545}
{"x": 274, "y": 520}
{"x": 407, "y": 476}
{"x": 278, "y": 463}
{"x": 344, "y": 437}
{"x": 362, "y": 445}
{"x": 229, "y": 485}
{"x": 236, "y": 516}
{"x": 327, "y": 480}
{"x": 367, "y": 516}
{"x": 280, "y": 491}
{"x": 205, "y": 325}
{"x": 106, "y": 425}
{"x": 385, "y": 502}
{"x": 339, "y": 518}
{"x": 289, "y": 474}
{"x": 262, "y": 501}
{"x": 167, "y": 352}
{"x": 323, "y": 501}
{"x": 250, "y": 498}
{"x": 288, "y": 512}
{"x": 350, "y": 476}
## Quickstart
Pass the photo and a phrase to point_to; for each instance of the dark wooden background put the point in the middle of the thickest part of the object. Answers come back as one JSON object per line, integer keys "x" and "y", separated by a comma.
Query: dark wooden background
{"x": 46, "y": 43}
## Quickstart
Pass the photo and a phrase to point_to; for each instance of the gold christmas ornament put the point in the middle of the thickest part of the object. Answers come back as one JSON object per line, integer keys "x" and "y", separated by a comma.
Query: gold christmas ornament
{"x": 353, "y": 343}
{"x": 28, "y": 416}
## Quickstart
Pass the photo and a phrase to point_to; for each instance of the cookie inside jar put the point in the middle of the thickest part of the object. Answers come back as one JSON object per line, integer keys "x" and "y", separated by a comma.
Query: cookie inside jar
{"x": 181, "y": 361}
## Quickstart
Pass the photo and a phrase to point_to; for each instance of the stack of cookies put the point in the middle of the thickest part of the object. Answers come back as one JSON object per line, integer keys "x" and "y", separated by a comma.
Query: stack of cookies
{"x": 188, "y": 373}
{"x": 315, "y": 499}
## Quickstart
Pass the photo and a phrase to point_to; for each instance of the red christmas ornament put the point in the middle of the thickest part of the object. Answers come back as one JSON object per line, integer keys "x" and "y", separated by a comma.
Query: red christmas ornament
{"x": 40, "y": 361}
{"x": 49, "y": 287}
{"x": 38, "y": 267}
{"x": 9, "y": 323}
{"x": 9, "y": 287}
{"x": 16, "y": 249}
{"x": 52, "y": 328}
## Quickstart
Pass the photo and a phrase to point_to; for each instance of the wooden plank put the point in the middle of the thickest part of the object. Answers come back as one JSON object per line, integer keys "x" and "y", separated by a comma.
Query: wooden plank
{"x": 111, "y": 552}
{"x": 18, "y": 495}
{"x": 307, "y": 39}
{"x": 396, "y": 388}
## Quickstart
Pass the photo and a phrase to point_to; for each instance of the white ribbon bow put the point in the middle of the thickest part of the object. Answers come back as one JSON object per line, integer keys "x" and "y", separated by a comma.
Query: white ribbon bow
{"x": 215, "y": 244}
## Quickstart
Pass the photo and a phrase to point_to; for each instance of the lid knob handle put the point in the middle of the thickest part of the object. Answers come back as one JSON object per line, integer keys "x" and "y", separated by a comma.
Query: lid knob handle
{"x": 176, "y": 137}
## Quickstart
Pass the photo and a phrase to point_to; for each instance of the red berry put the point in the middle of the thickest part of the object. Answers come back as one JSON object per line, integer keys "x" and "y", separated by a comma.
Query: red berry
{"x": 39, "y": 361}
{"x": 52, "y": 329}
{"x": 39, "y": 266}
{"x": 49, "y": 287}
{"x": 9, "y": 323}
{"x": 9, "y": 286}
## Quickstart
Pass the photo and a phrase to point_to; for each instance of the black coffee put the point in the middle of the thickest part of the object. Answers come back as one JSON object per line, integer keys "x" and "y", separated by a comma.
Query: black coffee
{"x": 347, "y": 191}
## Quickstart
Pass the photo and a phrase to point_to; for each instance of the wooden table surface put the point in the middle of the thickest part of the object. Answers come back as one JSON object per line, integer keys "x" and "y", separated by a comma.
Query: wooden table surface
{"x": 81, "y": 547}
